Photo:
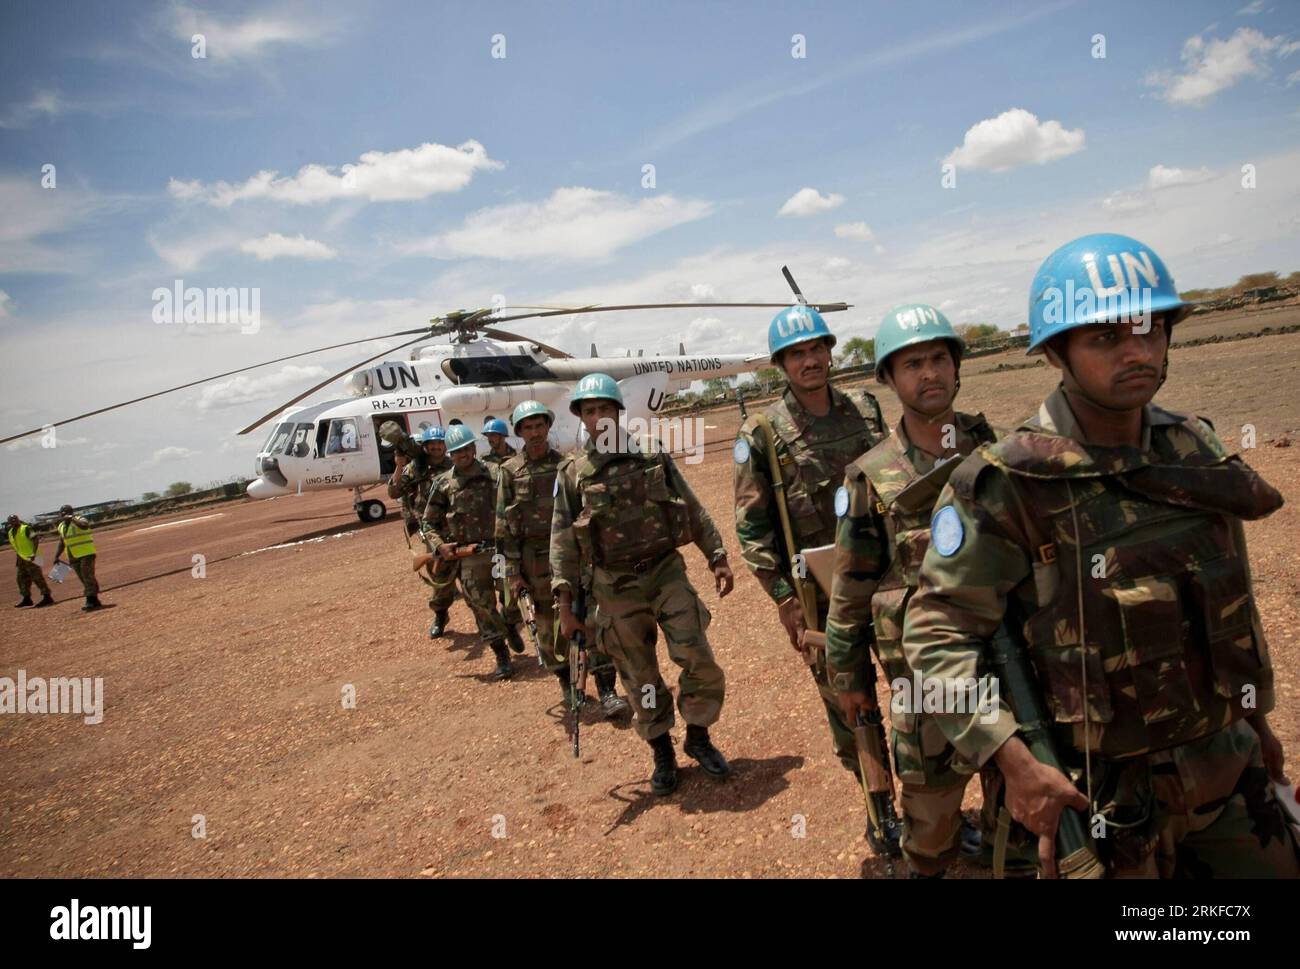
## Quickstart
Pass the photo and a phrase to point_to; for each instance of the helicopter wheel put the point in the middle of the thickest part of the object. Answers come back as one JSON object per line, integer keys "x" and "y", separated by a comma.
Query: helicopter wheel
{"x": 372, "y": 511}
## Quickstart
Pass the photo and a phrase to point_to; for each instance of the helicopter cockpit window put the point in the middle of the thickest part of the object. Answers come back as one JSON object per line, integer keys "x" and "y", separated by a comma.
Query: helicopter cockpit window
{"x": 343, "y": 437}
{"x": 278, "y": 439}
{"x": 299, "y": 447}
{"x": 494, "y": 370}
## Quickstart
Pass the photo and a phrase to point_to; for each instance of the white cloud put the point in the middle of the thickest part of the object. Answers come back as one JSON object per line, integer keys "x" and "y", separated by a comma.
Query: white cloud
{"x": 1251, "y": 9}
{"x": 1123, "y": 203}
{"x": 1162, "y": 177}
{"x": 32, "y": 213}
{"x": 173, "y": 453}
{"x": 572, "y": 225}
{"x": 42, "y": 104}
{"x": 5, "y": 299}
{"x": 1015, "y": 137}
{"x": 1293, "y": 78}
{"x": 275, "y": 245}
{"x": 809, "y": 201}
{"x": 1214, "y": 66}
{"x": 252, "y": 37}
{"x": 244, "y": 389}
{"x": 187, "y": 253}
{"x": 854, "y": 230}
{"x": 701, "y": 293}
{"x": 395, "y": 176}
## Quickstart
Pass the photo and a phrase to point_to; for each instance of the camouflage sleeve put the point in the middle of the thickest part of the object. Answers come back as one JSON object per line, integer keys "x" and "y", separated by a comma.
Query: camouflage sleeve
{"x": 757, "y": 524}
{"x": 435, "y": 516}
{"x": 507, "y": 544}
{"x": 566, "y": 558}
{"x": 396, "y": 488}
{"x": 861, "y": 560}
{"x": 961, "y": 600}
{"x": 703, "y": 531}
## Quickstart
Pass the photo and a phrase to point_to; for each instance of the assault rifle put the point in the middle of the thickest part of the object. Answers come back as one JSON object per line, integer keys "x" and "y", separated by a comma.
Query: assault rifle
{"x": 529, "y": 612}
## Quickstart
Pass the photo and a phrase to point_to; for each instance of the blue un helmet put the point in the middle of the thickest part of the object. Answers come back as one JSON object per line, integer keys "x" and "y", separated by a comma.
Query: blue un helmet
{"x": 596, "y": 386}
{"x": 1099, "y": 278}
{"x": 496, "y": 426}
{"x": 459, "y": 436}
{"x": 427, "y": 434}
{"x": 910, "y": 324}
{"x": 531, "y": 408}
{"x": 798, "y": 324}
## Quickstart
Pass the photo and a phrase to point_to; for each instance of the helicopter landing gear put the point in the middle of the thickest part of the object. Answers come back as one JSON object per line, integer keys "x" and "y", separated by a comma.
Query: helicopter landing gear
{"x": 368, "y": 511}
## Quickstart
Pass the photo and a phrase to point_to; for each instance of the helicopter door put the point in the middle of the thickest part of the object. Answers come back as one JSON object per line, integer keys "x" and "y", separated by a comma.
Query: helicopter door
{"x": 387, "y": 462}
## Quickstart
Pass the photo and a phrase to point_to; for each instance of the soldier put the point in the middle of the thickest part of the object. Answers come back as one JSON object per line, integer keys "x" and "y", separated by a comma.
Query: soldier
{"x": 24, "y": 541}
{"x": 1108, "y": 532}
{"x": 818, "y": 430}
{"x": 460, "y": 515}
{"x": 74, "y": 535}
{"x": 410, "y": 483}
{"x": 495, "y": 431}
{"x": 525, "y": 507}
{"x": 884, "y": 510}
{"x": 623, "y": 506}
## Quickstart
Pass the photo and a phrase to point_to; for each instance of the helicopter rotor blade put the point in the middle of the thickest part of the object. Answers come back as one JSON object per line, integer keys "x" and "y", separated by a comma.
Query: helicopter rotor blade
{"x": 328, "y": 380}
{"x": 202, "y": 380}
{"x": 597, "y": 308}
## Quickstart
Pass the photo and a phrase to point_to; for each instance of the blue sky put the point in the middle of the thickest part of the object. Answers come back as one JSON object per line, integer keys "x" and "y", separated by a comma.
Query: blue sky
{"x": 522, "y": 176}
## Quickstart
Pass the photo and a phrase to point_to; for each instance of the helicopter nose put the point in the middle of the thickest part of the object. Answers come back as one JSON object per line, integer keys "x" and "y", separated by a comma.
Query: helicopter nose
{"x": 261, "y": 488}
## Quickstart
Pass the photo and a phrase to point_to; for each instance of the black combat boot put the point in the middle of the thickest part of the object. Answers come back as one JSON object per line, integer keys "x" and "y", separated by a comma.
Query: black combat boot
{"x": 439, "y": 627}
{"x": 611, "y": 704}
{"x": 971, "y": 840}
{"x": 92, "y": 603}
{"x": 27, "y": 601}
{"x": 514, "y": 639}
{"x": 701, "y": 748}
{"x": 503, "y": 670}
{"x": 664, "y": 780}
{"x": 46, "y": 600}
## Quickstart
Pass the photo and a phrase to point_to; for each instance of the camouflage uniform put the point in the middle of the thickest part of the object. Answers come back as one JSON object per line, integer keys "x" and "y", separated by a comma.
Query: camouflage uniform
{"x": 813, "y": 451}
{"x": 1139, "y": 554}
{"x": 879, "y": 545}
{"x": 499, "y": 459}
{"x": 627, "y": 513}
{"x": 461, "y": 510}
{"x": 411, "y": 485}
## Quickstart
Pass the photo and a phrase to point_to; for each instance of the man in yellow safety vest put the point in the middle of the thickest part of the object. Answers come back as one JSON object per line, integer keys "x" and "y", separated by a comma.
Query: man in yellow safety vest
{"x": 24, "y": 542}
{"x": 74, "y": 535}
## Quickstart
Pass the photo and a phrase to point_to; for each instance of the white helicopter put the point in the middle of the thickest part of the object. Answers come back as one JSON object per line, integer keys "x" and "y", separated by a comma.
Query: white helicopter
{"x": 483, "y": 372}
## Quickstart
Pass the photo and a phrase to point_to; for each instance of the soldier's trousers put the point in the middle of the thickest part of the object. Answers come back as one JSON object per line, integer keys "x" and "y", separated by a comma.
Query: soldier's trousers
{"x": 442, "y": 593}
{"x": 85, "y": 569}
{"x": 842, "y": 742}
{"x": 1200, "y": 810}
{"x": 535, "y": 567}
{"x": 632, "y": 609}
{"x": 29, "y": 572}
{"x": 476, "y": 582}
{"x": 932, "y": 791}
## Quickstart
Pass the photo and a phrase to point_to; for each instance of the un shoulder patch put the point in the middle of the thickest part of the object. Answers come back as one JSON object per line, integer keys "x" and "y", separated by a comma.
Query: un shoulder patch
{"x": 946, "y": 532}
{"x": 741, "y": 451}
{"x": 841, "y": 502}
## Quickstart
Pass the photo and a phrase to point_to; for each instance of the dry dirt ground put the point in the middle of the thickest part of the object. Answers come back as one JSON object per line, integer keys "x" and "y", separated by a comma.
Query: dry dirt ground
{"x": 223, "y": 697}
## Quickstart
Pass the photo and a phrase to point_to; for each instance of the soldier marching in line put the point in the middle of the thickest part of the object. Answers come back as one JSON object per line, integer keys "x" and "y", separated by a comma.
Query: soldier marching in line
{"x": 884, "y": 517}
{"x": 1107, "y": 532}
{"x": 410, "y": 483}
{"x": 815, "y": 431}
{"x": 459, "y": 526}
{"x": 622, "y": 506}
{"x": 525, "y": 507}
